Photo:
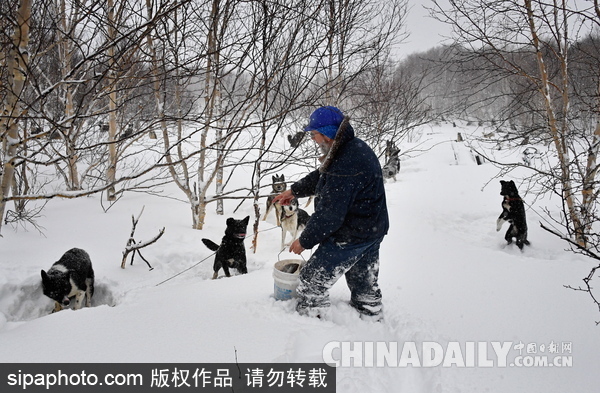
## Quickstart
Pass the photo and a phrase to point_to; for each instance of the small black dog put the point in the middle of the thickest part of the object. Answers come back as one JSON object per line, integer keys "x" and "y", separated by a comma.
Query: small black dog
{"x": 231, "y": 252}
{"x": 513, "y": 211}
{"x": 71, "y": 276}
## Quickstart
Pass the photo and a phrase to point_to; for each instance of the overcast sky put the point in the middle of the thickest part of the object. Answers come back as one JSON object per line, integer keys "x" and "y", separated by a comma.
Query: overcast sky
{"x": 425, "y": 32}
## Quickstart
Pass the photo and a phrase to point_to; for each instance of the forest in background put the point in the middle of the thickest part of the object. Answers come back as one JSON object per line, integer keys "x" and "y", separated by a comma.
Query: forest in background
{"x": 115, "y": 96}
{"x": 119, "y": 95}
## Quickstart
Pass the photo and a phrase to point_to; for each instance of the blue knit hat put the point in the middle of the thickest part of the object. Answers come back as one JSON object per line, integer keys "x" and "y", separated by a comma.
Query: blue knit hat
{"x": 325, "y": 120}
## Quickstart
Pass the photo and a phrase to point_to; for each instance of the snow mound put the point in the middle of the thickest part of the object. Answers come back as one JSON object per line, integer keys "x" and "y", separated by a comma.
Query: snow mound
{"x": 25, "y": 300}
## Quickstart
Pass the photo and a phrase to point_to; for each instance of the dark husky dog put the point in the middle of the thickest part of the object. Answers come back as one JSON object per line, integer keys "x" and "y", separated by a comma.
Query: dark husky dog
{"x": 296, "y": 139}
{"x": 293, "y": 220}
{"x": 71, "y": 276}
{"x": 513, "y": 211}
{"x": 392, "y": 161}
{"x": 278, "y": 186}
{"x": 231, "y": 251}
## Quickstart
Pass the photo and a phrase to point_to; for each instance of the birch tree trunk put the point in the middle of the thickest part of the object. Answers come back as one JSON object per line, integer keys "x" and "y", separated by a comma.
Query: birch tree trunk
{"x": 265, "y": 37}
{"x": 558, "y": 135}
{"x": 17, "y": 63}
{"x": 66, "y": 56}
{"x": 589, "y": 188}
{"x": 183, "y": 185}
{"x": 589, "y": 193}
{"x": 220, "y": 144}
{"x": 331, "y": 33}
{"x": 213, "y": 97}
{"x": 111, "y": 171}
{"x": 209, "y": 103}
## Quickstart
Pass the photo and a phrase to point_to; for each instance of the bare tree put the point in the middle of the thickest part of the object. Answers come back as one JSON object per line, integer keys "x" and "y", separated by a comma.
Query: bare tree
{"x": 388, "y": 103}
{"x": 16, "y": 62}
{"x": 190, "y": 62}
{"x": 111, "y": 170}
{"x": 531, "y": 41}
{"x": 357, "y": 34}
{"x": 220, "y": 79}
{"x": 68, "y": 91}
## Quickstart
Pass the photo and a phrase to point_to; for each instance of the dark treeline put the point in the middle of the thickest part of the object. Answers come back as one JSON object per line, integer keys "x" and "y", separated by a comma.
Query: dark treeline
{"x": 461, "y": 84}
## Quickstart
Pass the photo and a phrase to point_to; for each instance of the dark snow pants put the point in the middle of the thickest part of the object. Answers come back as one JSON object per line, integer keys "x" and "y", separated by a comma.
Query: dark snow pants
{"x": 359, "y": 263}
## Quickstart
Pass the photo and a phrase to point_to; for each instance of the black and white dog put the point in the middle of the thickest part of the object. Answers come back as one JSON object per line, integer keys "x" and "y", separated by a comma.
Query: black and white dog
{"x": 231, "y": 252}
{"x": 278, "y": 186}
{"x": 513, "y": 211}
{"x": 70, "y": 277}
{"x": 293, "y": 220}
{"x": 392, "y": 161}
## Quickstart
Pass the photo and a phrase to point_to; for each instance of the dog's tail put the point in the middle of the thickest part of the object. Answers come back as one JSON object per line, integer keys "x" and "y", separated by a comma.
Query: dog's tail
{"x": 210, "y": 244}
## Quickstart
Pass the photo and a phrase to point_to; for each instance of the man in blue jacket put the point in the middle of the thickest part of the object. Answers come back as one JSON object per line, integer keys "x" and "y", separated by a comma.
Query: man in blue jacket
{"x": 349, "y": 222}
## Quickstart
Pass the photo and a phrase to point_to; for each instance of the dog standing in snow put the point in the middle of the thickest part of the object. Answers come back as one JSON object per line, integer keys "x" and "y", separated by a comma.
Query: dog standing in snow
{"x": 513, "y": 211}
{"x": 231, "y": 253}
{"x": 70, "y": 277}
{"x": 293, "y": 220}
{"x": 392, "y": 161}
{"x": 278, "y": 186}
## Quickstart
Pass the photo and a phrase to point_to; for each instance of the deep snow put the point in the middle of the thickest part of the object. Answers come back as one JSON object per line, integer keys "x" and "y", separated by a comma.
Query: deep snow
{"x": 446, "y": 276}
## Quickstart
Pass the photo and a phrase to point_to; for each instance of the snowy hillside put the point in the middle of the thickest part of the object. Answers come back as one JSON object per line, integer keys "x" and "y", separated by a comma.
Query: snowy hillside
{"x": 446, "y": 275}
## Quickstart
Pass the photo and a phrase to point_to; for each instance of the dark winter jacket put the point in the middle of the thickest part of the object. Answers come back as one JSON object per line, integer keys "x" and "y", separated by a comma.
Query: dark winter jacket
{"x": 350, "y": 204}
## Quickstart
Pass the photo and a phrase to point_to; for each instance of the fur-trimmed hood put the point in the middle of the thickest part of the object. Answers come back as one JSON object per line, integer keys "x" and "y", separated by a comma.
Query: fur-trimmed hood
{"x": 344, "y": 133}
{"x": 350, "y": 203}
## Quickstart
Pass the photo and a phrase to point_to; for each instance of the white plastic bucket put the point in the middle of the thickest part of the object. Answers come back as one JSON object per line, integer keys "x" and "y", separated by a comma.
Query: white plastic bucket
{"x": 285, "y": 283}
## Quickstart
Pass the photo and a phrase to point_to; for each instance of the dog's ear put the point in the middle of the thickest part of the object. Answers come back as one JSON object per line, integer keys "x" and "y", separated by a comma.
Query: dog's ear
{"x": 245, "y": 221}
{"x": 230, "y": 221}
{"x": 502, "y": 182}
{"x": 44, "y": 275}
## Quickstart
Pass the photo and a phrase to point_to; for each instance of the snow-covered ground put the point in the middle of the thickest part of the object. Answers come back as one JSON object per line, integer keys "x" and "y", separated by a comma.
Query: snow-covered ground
{"x": 447, "y": 278}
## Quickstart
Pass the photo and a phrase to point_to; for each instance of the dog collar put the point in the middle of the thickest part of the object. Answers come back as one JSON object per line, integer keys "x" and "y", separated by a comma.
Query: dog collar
{"x": 514, "y": 199}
